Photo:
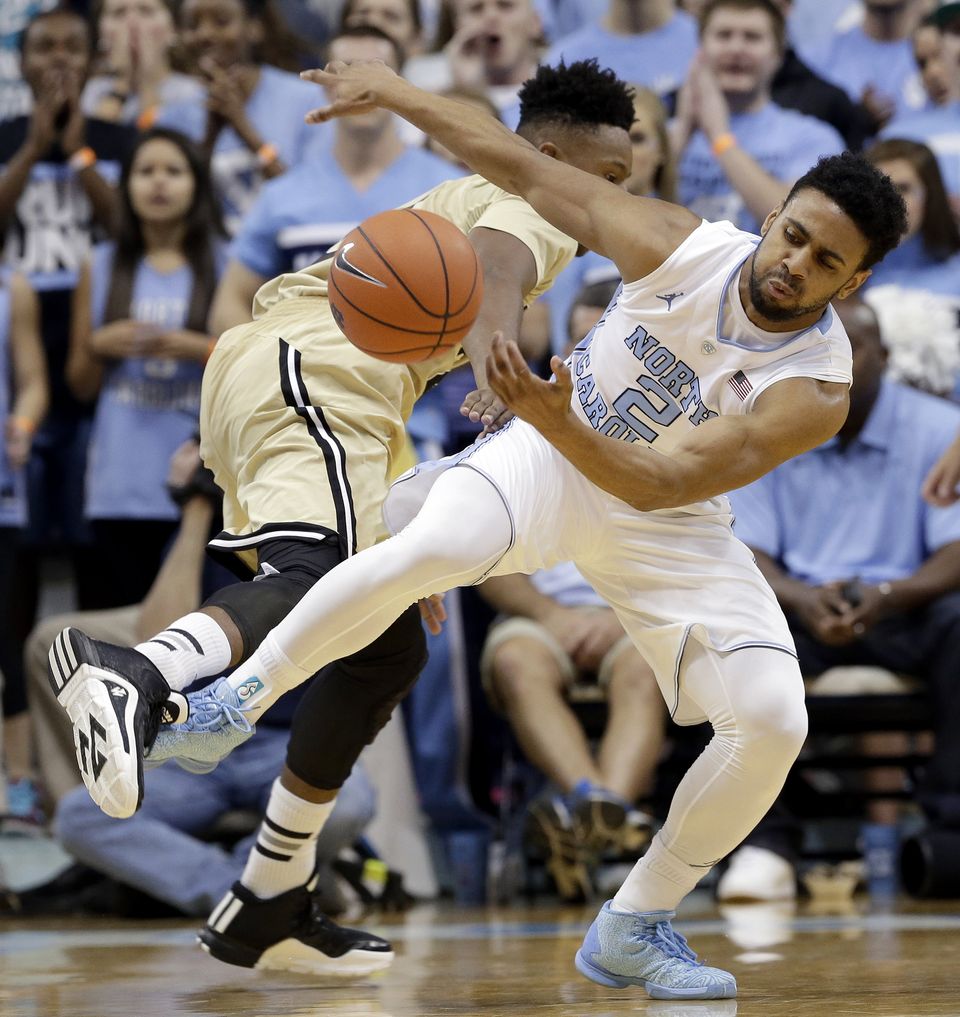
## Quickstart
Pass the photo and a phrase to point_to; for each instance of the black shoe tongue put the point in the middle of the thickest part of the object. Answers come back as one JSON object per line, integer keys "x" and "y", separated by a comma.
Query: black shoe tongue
{"x": 176, "y": 709}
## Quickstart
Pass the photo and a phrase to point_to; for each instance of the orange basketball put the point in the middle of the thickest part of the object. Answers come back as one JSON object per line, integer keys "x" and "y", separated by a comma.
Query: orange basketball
{"x": 405, "y": 285}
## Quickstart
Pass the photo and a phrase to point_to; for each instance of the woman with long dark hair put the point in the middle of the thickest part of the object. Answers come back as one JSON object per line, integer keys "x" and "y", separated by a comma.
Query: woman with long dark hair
{"x": 915, "y": 290}
{"x": 138, "y": 346}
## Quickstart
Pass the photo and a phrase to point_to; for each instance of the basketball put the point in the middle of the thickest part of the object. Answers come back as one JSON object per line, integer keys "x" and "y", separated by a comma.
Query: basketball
{"x": 405, "y": 285}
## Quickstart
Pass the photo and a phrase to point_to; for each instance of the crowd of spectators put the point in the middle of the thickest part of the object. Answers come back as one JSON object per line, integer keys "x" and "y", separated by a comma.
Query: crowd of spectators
{"x": 156, "y": 169}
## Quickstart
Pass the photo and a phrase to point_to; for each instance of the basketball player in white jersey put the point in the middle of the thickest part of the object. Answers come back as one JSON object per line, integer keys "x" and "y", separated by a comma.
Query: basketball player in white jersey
{"x": 717, "y": 360}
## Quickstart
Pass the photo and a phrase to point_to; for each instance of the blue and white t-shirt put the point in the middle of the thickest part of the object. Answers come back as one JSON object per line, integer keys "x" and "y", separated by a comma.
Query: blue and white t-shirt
{"x": 785, "y": 143}
{"x": 147, "y": 407}
{"x": 299, "y": 216}
{"x": 276, "y": 110}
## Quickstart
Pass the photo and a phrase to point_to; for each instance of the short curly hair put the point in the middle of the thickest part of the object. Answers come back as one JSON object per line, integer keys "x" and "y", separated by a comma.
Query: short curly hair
{"x": 579, "y": 95}
{"x": 866, "y": 196}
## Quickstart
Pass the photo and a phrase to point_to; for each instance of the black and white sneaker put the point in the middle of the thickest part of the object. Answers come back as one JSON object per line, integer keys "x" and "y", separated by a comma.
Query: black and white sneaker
{"x": 289, "y": 933}
{"x": 116, "y": 700}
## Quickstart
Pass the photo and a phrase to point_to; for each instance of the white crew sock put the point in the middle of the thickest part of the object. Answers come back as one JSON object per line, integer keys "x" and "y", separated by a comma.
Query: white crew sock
{"x": 284, "y": 855}
{"x": 193, "y": 647}
{"x": 264, "y": 677}
{"x": 658, "y": 882}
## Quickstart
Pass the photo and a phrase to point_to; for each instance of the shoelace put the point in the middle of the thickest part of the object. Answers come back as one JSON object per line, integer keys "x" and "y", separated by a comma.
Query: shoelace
{"x": 207, "y": 711}
{"x": 667, "y": 939}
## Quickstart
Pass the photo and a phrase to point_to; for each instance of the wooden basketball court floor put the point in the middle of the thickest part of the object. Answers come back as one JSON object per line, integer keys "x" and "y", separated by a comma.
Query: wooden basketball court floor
{"x": 897, "y": 960}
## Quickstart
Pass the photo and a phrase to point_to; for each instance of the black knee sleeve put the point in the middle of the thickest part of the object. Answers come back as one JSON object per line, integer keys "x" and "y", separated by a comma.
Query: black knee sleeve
{"x": 351, "y": 700}
{"x": 288, "y": 568}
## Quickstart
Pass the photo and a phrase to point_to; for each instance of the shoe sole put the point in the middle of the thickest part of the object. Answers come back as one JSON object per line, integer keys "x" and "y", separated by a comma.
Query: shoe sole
{"x": 604, "y": 823}
{"x": 568, "y": 870}
{"x": 292, "y": 955}
{"x": 654, "y": 991}
{"x": 104, "y": 733}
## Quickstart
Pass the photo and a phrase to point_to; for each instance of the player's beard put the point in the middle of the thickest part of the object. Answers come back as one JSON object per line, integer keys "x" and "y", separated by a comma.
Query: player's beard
{"x": 773, "y": 311}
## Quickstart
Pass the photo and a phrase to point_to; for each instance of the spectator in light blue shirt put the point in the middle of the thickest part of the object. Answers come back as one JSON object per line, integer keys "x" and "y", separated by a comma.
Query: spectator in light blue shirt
{"x": 938, "y": 123}
{"x": 300, "y": 215}
{"x": 739, "y": 151}
{"x": 646, "y": 42}
{"x": 251, "y": 118}
{"x": 866, "y": 571}
{"x": 873, "y": 61}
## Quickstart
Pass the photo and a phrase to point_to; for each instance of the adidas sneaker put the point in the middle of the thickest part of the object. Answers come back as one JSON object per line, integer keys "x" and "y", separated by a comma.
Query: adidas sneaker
{"x": 116, "y": 700}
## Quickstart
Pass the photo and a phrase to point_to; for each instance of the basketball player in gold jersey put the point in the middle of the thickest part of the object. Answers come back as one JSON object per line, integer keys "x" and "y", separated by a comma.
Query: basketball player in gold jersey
{"x": 301, "y": 431}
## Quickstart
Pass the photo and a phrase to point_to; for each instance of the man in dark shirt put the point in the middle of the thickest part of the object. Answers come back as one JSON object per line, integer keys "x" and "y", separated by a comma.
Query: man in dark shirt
{"x": 57, "y": 196}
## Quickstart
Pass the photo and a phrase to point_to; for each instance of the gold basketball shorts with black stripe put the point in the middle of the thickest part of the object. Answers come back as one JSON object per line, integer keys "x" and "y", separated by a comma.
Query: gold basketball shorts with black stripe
{"x": 290, "y": 464}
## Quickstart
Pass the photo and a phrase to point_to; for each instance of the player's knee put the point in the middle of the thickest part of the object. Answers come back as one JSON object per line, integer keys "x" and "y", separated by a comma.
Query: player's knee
{"x": 441, "y": 552}
{"x": 774, "y": 722}
{"x": 396, "y": 654}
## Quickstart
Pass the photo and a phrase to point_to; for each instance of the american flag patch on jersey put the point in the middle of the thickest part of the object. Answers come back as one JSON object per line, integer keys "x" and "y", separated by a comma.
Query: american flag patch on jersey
{"x": 741, "y": 385}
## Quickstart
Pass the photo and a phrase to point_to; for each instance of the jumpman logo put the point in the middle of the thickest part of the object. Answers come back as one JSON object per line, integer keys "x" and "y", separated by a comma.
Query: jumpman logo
{"x": 669, "y": 297}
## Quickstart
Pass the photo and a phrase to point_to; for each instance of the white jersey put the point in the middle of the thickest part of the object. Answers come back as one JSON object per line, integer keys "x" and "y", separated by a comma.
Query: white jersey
{"x": 671, "y": 351}
{"x": 676, "y": 348}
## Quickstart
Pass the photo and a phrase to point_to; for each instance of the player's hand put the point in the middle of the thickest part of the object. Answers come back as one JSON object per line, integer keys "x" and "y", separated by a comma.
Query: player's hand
{"x": 433, "y": 613}
{"x": 940, "y": 484}
{"x": 544, "y": 404}
{"x": 351, "y": 88}
{"x": 483, "y": 406}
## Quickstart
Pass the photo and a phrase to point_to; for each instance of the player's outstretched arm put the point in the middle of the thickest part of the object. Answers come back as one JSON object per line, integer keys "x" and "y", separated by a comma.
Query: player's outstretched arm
{"x": 720, "y": 455}
{"x": 637, "y": 234}
{"x": 509, "y": 271}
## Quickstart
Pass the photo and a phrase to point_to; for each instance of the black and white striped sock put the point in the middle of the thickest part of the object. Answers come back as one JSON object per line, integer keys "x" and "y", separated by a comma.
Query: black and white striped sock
{"x": 193, "y": 647}
{"x": 284, "y": 855}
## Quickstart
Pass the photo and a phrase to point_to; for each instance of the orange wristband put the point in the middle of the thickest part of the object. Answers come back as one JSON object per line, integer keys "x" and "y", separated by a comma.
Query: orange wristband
{"x": 147, "y": 118}
{"x": 82, "y": 159}
{"x": 24, "y": 424}
{"x": 723, "y": 143}
{"x": 267, "y": 154}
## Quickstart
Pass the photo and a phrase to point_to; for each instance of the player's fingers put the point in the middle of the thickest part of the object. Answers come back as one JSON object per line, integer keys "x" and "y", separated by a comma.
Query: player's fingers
{"x": 499, "y": 356}
{"x": 469, "y": 403}
{"x": 515, "y": 357}
{"x": 500, "y": 421}
{"x": 326, "y": 75}
{"x": 319, "y": 115}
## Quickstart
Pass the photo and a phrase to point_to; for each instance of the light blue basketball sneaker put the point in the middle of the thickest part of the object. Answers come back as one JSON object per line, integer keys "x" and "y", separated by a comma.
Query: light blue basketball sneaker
{"x": 629, "y": 948}
{"x": 214, "y": 727}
